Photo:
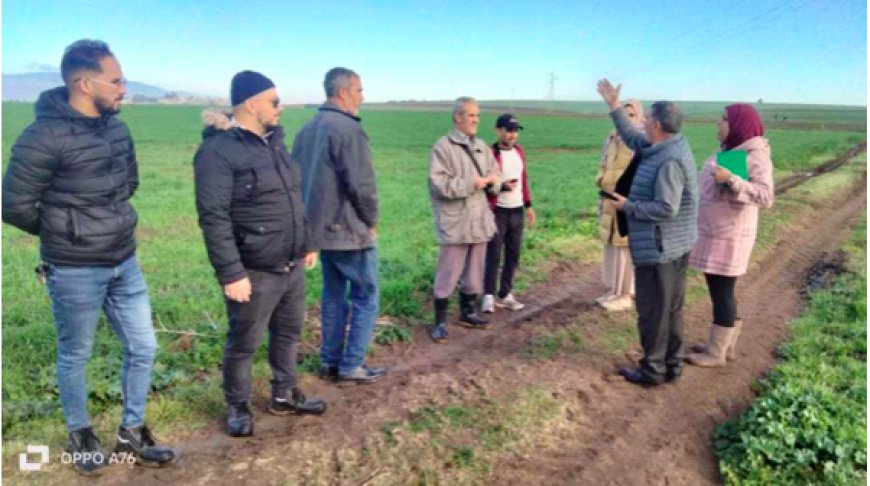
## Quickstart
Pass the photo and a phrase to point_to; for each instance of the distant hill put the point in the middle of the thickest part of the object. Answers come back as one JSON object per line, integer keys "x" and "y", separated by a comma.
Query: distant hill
{"x": 27, "y": 86}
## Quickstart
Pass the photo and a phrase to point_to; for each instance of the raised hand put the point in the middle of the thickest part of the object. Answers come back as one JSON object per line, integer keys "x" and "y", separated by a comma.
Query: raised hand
{"x": 609, "y": 93}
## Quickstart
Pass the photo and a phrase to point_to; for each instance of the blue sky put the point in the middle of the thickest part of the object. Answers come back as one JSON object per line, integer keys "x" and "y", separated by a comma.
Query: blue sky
{"x": 808, "y": 51}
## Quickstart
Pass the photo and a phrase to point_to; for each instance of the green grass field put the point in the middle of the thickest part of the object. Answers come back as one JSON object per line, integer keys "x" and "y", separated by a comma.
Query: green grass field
{"x": 563, "y": 154}
{"x": 783, "y": 113}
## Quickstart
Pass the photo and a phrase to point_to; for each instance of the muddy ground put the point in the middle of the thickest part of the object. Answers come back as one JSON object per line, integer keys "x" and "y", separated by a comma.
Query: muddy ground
{"x": 616, "y": 433}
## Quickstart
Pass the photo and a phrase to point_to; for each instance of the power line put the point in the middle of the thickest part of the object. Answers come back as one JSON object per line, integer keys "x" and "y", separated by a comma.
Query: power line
{"x": 698, "y": 47}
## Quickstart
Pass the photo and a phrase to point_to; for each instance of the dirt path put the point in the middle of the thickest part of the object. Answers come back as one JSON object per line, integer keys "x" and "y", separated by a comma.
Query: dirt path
{"x": 620, "y": 434}
{"x": 662, "y": 436}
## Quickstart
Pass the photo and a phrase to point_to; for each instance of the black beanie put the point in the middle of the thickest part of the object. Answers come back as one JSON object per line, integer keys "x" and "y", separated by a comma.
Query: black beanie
{"x": 246, "y": 84}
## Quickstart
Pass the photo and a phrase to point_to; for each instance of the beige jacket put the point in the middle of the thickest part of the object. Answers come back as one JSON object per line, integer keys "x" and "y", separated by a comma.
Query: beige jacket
{"x": 615, "y": 158}
{"x": 462, "y": 214}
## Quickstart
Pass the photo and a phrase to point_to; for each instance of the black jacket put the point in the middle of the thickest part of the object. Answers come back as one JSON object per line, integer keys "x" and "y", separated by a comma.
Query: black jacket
{"x": 69, "y": 181}
{"x": 623, "y": 187}
{"x": 338, "y": 180}
{"x": 249, "y": 200}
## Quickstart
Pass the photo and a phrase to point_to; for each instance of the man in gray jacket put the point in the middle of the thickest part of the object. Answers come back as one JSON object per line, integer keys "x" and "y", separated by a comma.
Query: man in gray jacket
{"x": 341, "y": 204}
{"x": 662, "y": 211}
{"x": 462, "y": 169}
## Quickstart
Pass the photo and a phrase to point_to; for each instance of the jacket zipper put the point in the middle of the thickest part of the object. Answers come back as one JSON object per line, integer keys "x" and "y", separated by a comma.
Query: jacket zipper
{"x": 289, "y": 197}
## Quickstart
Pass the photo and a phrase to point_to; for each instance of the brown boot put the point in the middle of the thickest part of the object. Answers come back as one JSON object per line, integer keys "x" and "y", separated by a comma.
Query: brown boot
{"x": 702, "y": 346}
{"x": 714, "y": 357}
{"x": 731, "y": 353}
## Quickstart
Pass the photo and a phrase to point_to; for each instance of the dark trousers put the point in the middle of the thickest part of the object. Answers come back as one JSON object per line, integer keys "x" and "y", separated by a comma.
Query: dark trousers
{"x": 509, "y": 224}
{"x": 278, "y": 304}
{"x": 660, "y": 292}
{"x": 722, "y": 294}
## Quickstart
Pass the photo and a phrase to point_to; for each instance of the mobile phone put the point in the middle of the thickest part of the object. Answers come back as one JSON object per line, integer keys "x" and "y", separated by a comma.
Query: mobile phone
{"x": 607, "y": 195}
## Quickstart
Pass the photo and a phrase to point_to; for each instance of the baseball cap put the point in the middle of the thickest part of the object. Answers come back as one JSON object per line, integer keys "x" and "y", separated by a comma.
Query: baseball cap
{"x": 508, "y": 122}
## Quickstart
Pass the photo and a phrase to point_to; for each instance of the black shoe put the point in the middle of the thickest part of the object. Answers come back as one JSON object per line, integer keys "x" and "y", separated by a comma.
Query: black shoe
{"x": 363, "y": 374}
{"x": 468, "y": 313}
{"x": 328, "y": 373}
{"x": 640, "y": 377}
{"x": 439, "y": 333}
{"x": 87, "y": 453}
{"x": 673, "y": 374}
{"x": 297, "y": 403}
{"x": 240, "y": 420}
{"x": 140, "y": 442}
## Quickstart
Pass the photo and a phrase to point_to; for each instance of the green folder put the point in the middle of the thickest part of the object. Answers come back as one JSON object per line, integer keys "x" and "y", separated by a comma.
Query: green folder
{"x": 734, "y": 161}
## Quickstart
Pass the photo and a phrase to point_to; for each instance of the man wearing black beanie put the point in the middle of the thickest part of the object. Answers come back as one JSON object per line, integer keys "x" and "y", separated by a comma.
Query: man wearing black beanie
{"x": 253, "y": 220}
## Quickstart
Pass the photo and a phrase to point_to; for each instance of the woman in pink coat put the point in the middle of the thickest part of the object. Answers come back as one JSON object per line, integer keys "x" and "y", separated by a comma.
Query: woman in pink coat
{"x": 727, "y": 223}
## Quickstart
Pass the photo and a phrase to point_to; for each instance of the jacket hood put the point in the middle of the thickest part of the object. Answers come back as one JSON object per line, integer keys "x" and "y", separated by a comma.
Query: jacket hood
{"x": 217, "y": 122}
{"x": 54, "y": 104}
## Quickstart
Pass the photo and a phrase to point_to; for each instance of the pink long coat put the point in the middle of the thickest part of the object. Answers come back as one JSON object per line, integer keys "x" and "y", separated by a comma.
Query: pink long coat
{"x": 728, "y": 218}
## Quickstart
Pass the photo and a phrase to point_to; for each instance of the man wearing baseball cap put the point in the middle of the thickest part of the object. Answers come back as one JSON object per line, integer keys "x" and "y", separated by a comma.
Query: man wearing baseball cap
{"x": 253, "y": 220}
{"x": 508, "y": 207}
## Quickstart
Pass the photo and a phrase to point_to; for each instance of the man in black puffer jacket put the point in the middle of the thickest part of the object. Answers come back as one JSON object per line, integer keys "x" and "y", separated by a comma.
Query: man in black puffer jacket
{"x": 252, "y": 217}
{"x": 70, "y": 180}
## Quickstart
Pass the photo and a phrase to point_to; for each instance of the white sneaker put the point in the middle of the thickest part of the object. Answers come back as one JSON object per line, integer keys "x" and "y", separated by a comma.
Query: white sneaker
{"x": 604, "y": 298}
{"x": 487, "y": 304}
{"x": 619, "y": 304}
{"x": 510, "y": 302}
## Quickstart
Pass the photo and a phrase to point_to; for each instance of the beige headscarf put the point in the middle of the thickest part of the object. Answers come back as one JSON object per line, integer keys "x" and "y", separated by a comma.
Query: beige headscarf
{"x": 638, "y": 108}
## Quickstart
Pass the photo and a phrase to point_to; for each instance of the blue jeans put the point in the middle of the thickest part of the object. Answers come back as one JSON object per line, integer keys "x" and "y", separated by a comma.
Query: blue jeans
{"x": 342, "y": 347}
{"x": 77, "y": 295}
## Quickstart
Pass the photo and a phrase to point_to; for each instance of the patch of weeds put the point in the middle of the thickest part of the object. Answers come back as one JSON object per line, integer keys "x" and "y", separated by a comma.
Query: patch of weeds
{"x": 547, "y": 346}
{"x": 385, "y": 335}
{"x": 618, "y": 335}
{"x": 389, "y": 429}
{"x": 310, "y": 364}
{"x": 543, "y": 347}
{"x": 463, "y": 457}
{"x": 426, "y": 418}
{"x": 459, "y": 416}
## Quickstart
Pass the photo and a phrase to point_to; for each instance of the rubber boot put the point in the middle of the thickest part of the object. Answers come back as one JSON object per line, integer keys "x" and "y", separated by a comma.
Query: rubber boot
{"x": 439, "y": 331}
{"x": 731, "y": 354}
{"x": 468, "y": 316}
{"x": 714, "y": 357}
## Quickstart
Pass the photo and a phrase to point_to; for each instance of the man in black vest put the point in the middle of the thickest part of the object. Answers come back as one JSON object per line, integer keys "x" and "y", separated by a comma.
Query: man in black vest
{"x": 70, "y": 180}
{"x": 253, "y": 220}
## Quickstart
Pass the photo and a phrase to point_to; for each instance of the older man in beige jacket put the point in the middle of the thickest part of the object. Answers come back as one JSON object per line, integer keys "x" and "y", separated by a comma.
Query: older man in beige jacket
{"x": 461, "y": 170}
